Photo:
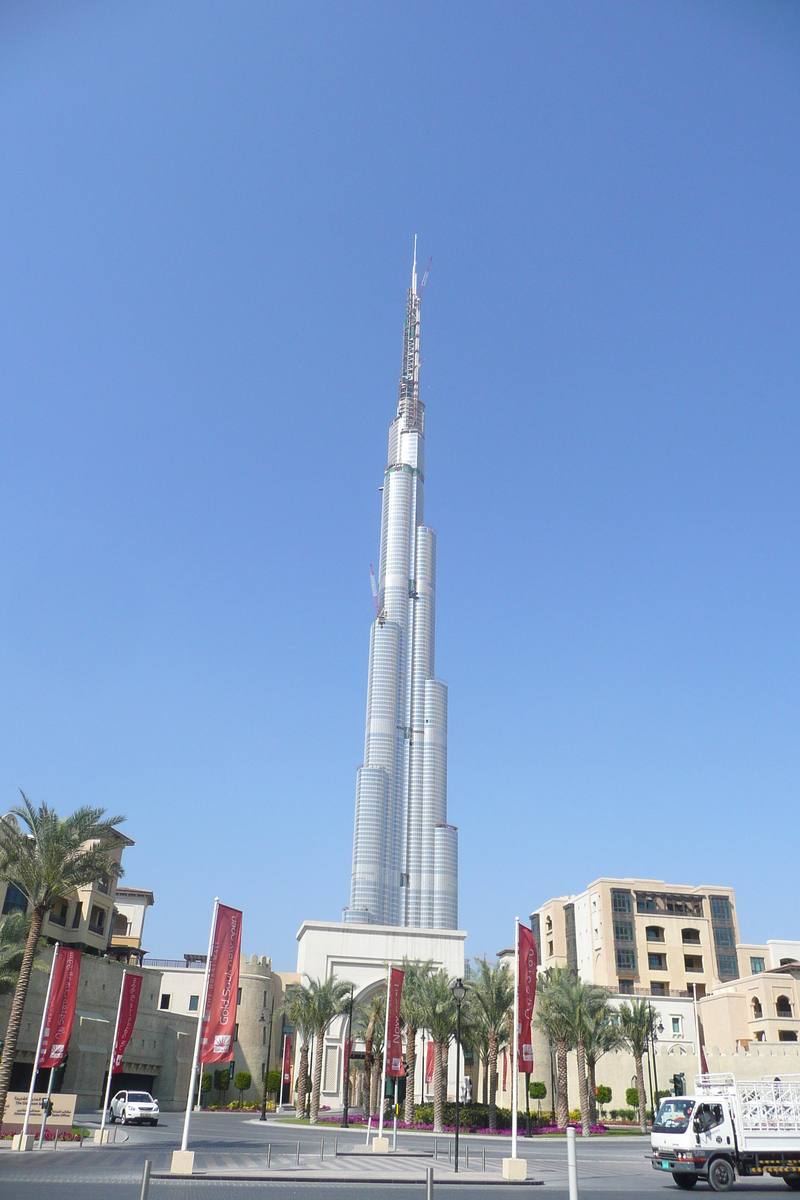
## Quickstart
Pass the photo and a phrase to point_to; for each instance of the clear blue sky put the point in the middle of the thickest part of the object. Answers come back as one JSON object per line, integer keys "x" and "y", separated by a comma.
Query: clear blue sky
{"x": 207, "y": 214}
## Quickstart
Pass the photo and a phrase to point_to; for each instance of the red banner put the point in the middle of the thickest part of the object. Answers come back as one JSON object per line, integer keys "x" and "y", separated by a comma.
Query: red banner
{"x": 219, "y": 1018}
{"x": 429, "y": 1061}
{"x": 527, "y": 996}
{"x": 287, "y": 1060}
{"x": 394, "y": 1041}
{"x": 131, "y": 990}
{"x": 61, "y": 1009}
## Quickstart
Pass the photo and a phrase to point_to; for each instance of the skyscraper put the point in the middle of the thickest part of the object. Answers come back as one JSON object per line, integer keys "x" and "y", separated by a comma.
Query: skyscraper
{"x": 405, "y": 855}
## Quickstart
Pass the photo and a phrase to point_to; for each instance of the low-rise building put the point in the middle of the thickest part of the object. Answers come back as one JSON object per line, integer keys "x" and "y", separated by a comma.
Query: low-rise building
{"x": 127, "y": 935}
{"x": 258, "y": 1010}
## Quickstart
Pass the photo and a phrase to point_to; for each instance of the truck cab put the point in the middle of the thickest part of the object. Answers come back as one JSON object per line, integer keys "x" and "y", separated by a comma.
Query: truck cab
{"x": 693, "y": 1137}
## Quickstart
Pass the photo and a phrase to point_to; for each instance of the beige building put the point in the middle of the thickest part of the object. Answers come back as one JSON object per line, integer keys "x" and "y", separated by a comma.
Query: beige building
{"x": 84, "y": 917}
{"x": 258, "y": 1005}
{"x": 642, "y": 936}
{"x": 761, "y": 1007}
{"x": 127, "y": 934}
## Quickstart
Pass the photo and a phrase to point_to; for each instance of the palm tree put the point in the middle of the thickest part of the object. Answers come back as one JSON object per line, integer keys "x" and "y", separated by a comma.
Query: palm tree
{"x": 47, "y": 859}
{"x": 369, "y": 1022}
{"x": 491, "y": 1000}
{"x": 327, "y": 1000}
{"x": 298, "y": 1007}
{"x": 412, "y": 1014}
{"x": 552, "y": 1017}
{"x": 440, "y": 1021}
{"x": 634, "y": 1027}
{"x": 14, "y": 931}
{"x": 583, "y": 1001}
{"x": 602, "y": 1035}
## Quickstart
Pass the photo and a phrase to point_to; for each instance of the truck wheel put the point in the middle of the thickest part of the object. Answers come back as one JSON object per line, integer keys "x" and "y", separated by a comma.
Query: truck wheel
{"x": 685, "y": 1182}
{"x": 793, "y": 1182}
{"x": 720, "y": 1175}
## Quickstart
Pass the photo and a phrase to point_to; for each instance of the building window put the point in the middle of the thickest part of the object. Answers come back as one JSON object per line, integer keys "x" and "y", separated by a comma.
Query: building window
{"x": 548, "y": 925}
{"x": 194, "y": 1002}
{"x": 103, "y": 884}
{"x": 760, "y": 1035}
{"x": 727, "y": 966}
{"x": 691, "y": 937}
{"x": 621, "y": 902}
{"x": 783, "y": 1006}
{"x": 236, "y": 1032}
{"x": 626, "y": 960}
{"x": 654, "y": 933}
{"x": 659, "y": 989}
{"x": 625, "y": 987}
{"x": 676, "y": 1026}
{"x": 264, "y": 1001}
{"x": 720, "y": 908}
{"x": 537, "y": 941}
{"x": 657, "y": 962}
{"x": 58, "y": 913}
{"x": 264, "y": 1036}
{"x": 550, "y": 949}
{"x": 78, "y": 915}
{"x": 693, "y": 962}
{"x": 165, "y": 999}
{"x": 757, "y": 1010}
{"x": 120, "y": 925}
{"x": 623, "y": 931}
{"x": 757, "y": 965}
{"x": 723, "y": 936}
{"x": 239, "y": 996}
{"x": 785, "y": 961}
{"x": 15, "y": 901}
{"x": 787, "y": 1035}
{"x": 97, "y": 919}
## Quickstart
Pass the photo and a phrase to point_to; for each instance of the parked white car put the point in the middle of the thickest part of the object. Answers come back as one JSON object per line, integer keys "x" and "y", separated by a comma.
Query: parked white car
{"x": 133, "y": 1108}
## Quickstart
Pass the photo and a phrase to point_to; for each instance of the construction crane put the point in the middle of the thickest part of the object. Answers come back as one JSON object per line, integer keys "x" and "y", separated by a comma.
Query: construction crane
{"x": 424, "y": 278}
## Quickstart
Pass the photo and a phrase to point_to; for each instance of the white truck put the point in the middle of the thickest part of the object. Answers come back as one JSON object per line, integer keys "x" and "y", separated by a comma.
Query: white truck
{"x": 730, "y": 1127}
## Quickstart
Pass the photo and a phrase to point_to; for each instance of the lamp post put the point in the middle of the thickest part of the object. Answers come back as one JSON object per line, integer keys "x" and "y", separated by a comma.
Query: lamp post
{"x": 263, "y": 1116}
{"x": 459, "y": 992}
{"x": 347, "y": 1062}
{"x": 654, "y": 1031}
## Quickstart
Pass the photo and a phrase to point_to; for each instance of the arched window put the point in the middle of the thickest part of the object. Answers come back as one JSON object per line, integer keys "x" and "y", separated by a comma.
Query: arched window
{"x": 549, "y": 924}
{"x": 783, "y": 1006}
{"x": 757, "y": 1013}
{"x": 654, "y": 933}
{"x": 120, "y": 925}
{"x": 691, "y": 937}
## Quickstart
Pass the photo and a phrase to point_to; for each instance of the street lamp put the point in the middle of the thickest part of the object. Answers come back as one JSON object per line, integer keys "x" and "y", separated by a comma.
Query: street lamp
{"x": 347, "y": 1062}
{"x": 459, "y": 992}
{"x": 262, "y": 1019}
{"x": 655, "y": 1032}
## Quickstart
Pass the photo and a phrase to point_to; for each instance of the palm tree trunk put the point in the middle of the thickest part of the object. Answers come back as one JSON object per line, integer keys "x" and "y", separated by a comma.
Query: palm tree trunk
{"x": 438, "y": 1087}
{"x": 17, "y": 1005}
{"x": 583, "y": 1091}
{"x": 302, "y": 1080}
{"x": 374, "y": 1087}
{"x": 485, "y": 1065}
{"x": 411, "y": 1061}
{"x": 493, "y": 1082}
{"x": 561, "y": 1072}
{"x": 367, "y": 1093}
{"x": 317, "y": 1082}
{"x": 642, "y": 1096}
{"x": 591, "y": 1067}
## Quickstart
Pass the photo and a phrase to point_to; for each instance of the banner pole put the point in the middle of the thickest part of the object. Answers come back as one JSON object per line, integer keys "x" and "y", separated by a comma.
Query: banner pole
{"x": 111, "y": 1062}
{"x": 385, "y": 1049}
{"x": 283, "y": 1068}
{"x": 200, "y": 1018}
{"x": 35, "y": 1071}
{"x": 515, "y": 1080}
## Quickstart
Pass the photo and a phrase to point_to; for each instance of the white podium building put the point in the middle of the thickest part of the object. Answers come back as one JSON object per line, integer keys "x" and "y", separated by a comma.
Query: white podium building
{"x": 359, "y": 954}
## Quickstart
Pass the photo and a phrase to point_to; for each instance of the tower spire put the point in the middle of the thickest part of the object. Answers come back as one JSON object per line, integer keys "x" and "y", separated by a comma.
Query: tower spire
{"x": 408, "y": 405}
{"x": 414, "y": 268}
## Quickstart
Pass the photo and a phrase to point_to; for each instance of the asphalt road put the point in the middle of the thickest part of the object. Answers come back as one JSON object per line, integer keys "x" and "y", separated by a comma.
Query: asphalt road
{"x": 607, "y": 1167}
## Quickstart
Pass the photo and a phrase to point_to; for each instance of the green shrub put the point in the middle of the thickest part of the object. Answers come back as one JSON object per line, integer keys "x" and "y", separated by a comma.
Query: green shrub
{"x": 473, "y": 1116}
{"x": 632, "y": 1097}
{"x": 604, "y": 1095}
{"x": 274, "y": 1082}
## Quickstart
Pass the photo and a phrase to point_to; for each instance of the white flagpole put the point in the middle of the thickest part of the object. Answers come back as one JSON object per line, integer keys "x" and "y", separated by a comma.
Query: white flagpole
{"x": 515, "y": 1081}
{"x": 385, "y": 1048}
{"x": 200, "y": 1018}
{"x": 39, "y": 1047}
{"x": 696, "y": 1031}
{"x": 111, "y": 1063}
{"x": 283, "y": 1061}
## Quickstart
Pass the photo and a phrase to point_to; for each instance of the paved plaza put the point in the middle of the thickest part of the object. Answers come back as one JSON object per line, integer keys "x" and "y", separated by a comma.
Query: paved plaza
{"x": 232, "y": 1152}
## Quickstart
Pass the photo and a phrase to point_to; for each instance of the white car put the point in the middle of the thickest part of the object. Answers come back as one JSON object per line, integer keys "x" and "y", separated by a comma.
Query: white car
{"x": 133, "y": 1108}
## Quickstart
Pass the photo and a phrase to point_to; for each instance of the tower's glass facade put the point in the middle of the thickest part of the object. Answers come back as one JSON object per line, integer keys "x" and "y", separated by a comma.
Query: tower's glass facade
{"x": 405, "y": 855}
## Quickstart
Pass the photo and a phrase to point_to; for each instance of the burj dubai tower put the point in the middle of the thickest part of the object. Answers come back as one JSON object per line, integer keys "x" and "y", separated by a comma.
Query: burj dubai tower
{"x": 405, "y": 855}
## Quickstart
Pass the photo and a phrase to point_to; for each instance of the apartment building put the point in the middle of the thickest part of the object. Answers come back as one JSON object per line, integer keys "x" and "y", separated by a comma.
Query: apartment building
{"x": 642, "y": 936}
